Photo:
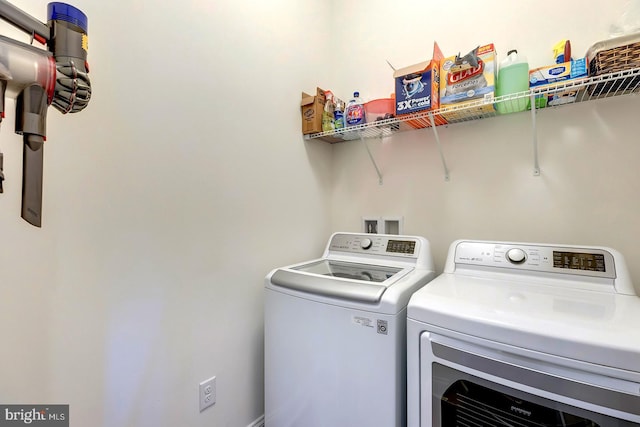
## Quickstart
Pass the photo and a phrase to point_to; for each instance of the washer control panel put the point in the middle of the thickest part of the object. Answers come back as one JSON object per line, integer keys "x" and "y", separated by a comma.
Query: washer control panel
{"x": 373, "y": 244}
{"x": 522, "y": 256}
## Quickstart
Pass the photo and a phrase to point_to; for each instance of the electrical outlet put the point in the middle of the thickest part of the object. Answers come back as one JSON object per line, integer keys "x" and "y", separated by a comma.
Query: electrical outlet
{"x": 207, "y": 396}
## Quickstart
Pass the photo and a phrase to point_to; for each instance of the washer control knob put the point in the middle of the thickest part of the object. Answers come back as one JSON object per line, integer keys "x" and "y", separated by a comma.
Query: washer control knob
{"x": 366, "y": 243}
{"x": 516, "y": 256}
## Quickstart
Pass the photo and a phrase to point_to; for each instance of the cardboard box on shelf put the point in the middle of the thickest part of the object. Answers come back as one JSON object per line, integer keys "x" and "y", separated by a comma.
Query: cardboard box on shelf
{"x": 556, "y": 75}
{"x": 573, "y": 69}
{"x": 417, "y": 89}
{"x": 469, "y": 79}
{"x": 312, "y": 107}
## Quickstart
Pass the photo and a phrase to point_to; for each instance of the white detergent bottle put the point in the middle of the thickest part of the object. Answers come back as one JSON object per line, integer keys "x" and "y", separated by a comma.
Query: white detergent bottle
{"x": 513, "y": 77}
{"x": 354, "y": 113}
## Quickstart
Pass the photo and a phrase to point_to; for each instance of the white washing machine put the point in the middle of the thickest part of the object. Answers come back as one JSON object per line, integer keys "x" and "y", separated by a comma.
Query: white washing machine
{"x": 520, "y": 334}
{"x": 335, "y": 333}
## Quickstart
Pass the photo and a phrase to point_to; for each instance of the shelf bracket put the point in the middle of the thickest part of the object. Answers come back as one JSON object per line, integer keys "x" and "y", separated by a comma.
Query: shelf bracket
{"x": 373, "y": 161}
{"x": 534, "y": 133}
{"x": 435, "y": 134}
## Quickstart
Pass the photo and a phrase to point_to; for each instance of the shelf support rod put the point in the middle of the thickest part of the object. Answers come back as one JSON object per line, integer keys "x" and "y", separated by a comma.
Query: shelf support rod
{"x": 534, "y": 132}
{"x": 435, "y": 134}
{"x": 373, "y": 161}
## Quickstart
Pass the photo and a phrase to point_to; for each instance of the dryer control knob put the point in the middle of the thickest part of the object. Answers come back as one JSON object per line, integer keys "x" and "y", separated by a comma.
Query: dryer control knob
{"x": 366, "y": 243}
{"x": 516, "y": 256}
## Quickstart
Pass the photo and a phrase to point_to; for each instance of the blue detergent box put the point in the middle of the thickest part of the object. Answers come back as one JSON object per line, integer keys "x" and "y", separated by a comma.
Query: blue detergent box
{"x": 573, "y": 69}
{"x": 417, "y": 88}
{"x": 555, "y": 75}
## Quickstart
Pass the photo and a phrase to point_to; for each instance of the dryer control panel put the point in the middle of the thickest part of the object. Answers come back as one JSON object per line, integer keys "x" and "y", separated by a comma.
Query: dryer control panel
{"x": 375, "y": 244}
{"x": 594, "y": 262}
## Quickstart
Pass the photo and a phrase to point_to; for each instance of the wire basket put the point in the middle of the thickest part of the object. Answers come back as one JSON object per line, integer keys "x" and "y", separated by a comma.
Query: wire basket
{"x": 611, "y": 56}
{"x": 616, "y": 59}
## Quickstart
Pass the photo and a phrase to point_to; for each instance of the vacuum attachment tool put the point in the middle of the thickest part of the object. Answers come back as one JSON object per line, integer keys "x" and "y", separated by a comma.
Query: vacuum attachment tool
{"x": 31, "y": 119}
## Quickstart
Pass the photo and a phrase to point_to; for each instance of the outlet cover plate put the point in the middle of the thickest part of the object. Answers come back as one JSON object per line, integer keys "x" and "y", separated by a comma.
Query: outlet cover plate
{"x": 207, "y": 395}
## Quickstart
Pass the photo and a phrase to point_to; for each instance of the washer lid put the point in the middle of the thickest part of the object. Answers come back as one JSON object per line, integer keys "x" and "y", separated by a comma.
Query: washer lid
{"x": 349, "y": 270}
{"x": 339, "y": 279}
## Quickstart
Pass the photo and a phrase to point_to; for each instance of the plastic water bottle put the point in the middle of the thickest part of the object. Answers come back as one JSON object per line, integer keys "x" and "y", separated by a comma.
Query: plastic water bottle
{"x": 513, "y": 77}
{"x": 354, "y": 113}
{"x": 328, "y": 120}
{"x": 338, "y": 115}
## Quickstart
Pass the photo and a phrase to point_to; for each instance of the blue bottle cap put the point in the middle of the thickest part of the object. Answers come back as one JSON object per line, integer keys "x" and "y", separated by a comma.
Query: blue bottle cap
{"x": 68, "y": 13}
{"x": 356, "y": 94}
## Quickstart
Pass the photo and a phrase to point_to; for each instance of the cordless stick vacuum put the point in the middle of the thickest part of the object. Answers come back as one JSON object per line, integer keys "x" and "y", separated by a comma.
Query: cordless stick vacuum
{"x": 56, "y": 74}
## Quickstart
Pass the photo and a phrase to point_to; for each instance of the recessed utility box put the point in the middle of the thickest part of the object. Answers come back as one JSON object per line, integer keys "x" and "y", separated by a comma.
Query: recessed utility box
{"x": 382, "y": 225}
{"x": 392, "y": 225}
{"x": 371, "y": 225}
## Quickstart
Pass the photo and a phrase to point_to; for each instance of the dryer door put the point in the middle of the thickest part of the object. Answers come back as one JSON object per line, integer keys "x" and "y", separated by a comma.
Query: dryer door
{"x": 466, "y": 387}
{"x": 466, "y": 402}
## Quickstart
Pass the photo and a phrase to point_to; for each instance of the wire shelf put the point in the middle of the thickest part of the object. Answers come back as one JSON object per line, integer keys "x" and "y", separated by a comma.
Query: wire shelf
{"x": 563, "y": 93}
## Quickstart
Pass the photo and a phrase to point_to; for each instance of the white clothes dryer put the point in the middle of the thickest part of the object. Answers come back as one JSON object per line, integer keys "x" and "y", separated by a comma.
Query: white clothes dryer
{"x": 521, "y": 334}
{"x": 335, "y": 332}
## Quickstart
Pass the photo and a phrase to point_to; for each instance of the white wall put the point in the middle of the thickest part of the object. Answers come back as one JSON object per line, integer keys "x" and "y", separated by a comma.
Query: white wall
{"x": 186, "y": 179}
{"x": 588, "y": 190}
{"x": 166, "y": 202}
